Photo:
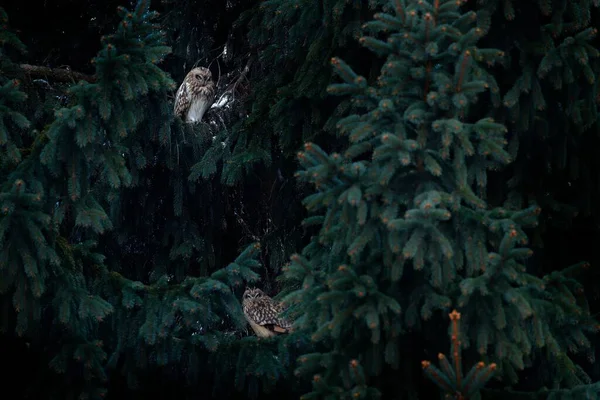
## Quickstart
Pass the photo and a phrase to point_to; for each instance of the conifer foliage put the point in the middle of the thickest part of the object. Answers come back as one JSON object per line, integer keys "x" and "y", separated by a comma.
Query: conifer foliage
{"x": 550, "y": 99}
{"x": 294, "y": 41}
{"x": 120, "y": 256}
{"x": 89, "y": 138}
{"x": 450, "y": 378}
{"x": 11, "y": 120}
{"x": 405, "y": 232}
{"x": 70, "y": 212}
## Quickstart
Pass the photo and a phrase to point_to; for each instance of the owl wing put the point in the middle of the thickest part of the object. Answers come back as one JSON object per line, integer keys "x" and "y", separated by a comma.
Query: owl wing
{"x": 265, "y": 313}
{"x": 183, "y": 99}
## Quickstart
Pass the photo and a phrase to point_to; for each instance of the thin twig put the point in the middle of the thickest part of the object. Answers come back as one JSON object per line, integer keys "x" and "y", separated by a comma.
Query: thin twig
{"x": 242, "y": 76}
{"x": 231, "y": 88}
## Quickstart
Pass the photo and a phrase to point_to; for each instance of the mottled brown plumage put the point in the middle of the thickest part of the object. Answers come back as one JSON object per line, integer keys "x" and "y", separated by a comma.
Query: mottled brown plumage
{"x": 262, "y": 312}
{"x": 195, "y": 95}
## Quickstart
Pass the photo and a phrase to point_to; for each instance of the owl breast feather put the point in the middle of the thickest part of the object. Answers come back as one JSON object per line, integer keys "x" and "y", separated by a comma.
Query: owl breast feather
{"x": 197, "y": 109}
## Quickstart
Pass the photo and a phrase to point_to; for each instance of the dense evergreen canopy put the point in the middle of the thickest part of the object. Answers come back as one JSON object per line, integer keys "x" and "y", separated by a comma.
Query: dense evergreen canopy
{"x": 415, "y": 180}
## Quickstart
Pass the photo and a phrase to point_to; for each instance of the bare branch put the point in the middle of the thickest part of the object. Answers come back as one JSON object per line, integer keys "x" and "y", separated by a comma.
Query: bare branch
{"x": 242, "y": 76}
{"x": 228, "y": 95}
{"x": 55, "y": 74}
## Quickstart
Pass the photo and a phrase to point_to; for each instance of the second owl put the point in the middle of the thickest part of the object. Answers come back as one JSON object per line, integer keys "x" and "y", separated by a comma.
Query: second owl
{"x": 263, "y": 314}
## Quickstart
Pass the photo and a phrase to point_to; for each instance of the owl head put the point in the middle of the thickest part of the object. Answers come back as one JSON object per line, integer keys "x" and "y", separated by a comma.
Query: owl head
{"x": 252, "y": 293}
{"x": 200, "y": 75}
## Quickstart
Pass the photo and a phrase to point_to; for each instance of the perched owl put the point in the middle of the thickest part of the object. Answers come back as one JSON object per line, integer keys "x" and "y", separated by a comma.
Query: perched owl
{"x": 195, "y": 95}
{"x": 262, "y": 312}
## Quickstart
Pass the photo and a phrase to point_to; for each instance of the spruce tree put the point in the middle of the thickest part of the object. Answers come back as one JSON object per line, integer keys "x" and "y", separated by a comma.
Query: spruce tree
{"x": 406, "y": 232}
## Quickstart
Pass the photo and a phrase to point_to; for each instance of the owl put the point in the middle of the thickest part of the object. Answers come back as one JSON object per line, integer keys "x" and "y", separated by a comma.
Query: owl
{"x": 262, "y": 312}
{"x": 195, "y": 95}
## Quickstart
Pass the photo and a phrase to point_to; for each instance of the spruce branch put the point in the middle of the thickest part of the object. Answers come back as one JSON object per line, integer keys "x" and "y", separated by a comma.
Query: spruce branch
{"x": 56, "y": 74}
{"x": 450, "y": 378}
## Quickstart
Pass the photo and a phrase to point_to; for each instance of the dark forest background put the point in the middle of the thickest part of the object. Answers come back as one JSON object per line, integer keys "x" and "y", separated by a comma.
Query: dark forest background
{"x": 204, "y": 196}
